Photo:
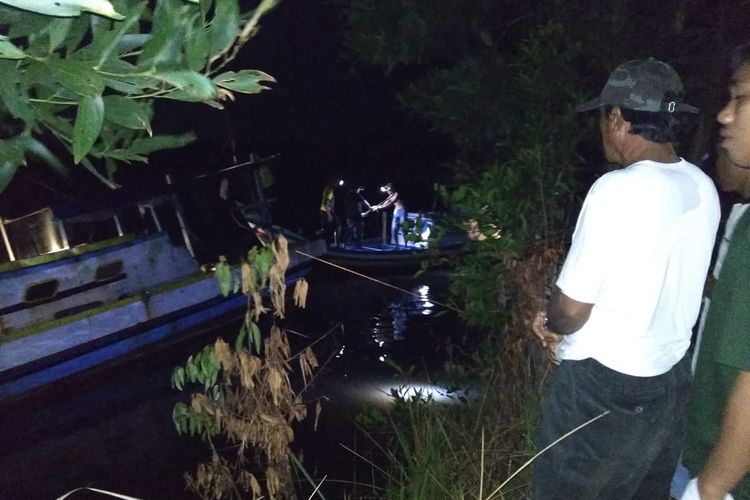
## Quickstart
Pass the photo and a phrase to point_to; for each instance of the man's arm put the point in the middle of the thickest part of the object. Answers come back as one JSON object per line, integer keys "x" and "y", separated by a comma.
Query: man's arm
{"x": 566, "y": 315}
{"x": 730, "y": 458}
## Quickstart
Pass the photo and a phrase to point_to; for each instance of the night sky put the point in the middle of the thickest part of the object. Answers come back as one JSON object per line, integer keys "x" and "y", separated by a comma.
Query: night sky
{"x": 326, "y": 119}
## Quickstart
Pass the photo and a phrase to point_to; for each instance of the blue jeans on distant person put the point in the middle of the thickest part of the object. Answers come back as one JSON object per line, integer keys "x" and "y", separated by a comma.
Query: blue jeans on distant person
{"x": 630, "y": 453}
{"x": 397, "y": 232}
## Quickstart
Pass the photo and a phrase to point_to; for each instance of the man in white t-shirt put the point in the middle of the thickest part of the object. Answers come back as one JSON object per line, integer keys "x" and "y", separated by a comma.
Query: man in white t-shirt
{"x": 622, "y": 312}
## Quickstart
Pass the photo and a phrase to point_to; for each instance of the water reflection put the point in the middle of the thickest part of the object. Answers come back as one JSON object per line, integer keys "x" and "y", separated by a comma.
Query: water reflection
{"x": 393, "y": 322}
{"x": 401, "y": 335}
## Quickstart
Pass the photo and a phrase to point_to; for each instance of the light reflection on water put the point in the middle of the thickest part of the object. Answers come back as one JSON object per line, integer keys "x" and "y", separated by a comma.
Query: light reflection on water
{"x": 403, "y": 335}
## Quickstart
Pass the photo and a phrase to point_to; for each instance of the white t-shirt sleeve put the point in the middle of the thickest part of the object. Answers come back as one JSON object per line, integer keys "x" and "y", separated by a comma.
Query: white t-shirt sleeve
{"x": 595, "y": 242}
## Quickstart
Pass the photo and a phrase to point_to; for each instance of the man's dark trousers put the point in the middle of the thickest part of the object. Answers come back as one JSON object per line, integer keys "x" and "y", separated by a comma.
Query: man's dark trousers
{"x": 630, "y": 453}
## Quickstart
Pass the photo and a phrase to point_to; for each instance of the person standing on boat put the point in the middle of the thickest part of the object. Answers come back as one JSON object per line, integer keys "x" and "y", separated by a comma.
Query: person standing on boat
{"x": 328, "y": 221}
{"x": 355, "y": 208}
{"x": 399, "y": 212}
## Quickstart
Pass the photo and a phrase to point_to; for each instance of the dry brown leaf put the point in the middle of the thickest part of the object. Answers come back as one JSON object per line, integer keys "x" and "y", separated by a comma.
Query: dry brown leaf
{"x": 275, "y": 382}
{"x": 224, "y": 355}
{"x": 277, "y": 285}
{"x": 255, "y": 487}
{"x": 248, "y": 278}
{"x": 281, "y": 252}
{"x": 273, "y": 483}
{"x": 307, "y": 362}
{"x": 200, "y": 403}
{"x": 276, "y": 276}
{"x": 312, "y": 359}
{"x": 300, "y": 292}
{"x": 277, "y": 345}
{"x": 318, "y": 410}
{"x": 272, "y": 420}
{"x": 249, "y": 367}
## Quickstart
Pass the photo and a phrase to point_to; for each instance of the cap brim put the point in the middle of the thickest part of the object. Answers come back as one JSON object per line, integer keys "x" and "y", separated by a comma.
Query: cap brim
{"x": 687, "y": 108}
{"x": 590, "y": 105}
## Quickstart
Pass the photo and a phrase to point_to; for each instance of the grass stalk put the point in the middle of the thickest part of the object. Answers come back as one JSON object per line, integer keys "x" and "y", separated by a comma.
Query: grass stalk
{"x": 529, "y": 461}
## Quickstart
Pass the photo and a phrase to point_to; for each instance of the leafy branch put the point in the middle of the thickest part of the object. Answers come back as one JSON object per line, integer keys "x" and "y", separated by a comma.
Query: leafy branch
{"x": 85, "y": 74}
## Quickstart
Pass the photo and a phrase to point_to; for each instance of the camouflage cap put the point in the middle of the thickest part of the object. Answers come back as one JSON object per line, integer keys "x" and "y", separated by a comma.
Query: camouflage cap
{"x": 642, "y": 85}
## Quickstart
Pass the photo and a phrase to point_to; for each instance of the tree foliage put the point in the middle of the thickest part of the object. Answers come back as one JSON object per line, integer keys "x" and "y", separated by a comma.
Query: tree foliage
{"x": 88, "y": 82}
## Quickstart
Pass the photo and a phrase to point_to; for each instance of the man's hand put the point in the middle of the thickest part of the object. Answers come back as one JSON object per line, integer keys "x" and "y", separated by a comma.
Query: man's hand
{"x": 548, "y": 339}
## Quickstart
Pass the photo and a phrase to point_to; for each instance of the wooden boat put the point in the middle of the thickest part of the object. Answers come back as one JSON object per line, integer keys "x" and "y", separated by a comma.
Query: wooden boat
{"x": 67, "y": 307}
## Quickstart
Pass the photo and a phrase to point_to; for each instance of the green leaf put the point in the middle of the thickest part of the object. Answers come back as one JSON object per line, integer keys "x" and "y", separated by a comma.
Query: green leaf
{"x": 196, "y": 46}
{"x": 22, "y": 23}
{"x": 12, "y": 150}
{"x": 128, "y": 113}
{"x": 255, "y": 332}
{"x": 205, "y": 6}
{"x": 131, "y": 41}
{"x": 178, "y": 378}
{"x": 133, "y": 16}
{"x": 77, "y": 32}
{"x": 262, "y": 262}
{"x": 58, "y": 30}
{"x": 178, "y": 417}
{"x": 41, "y": 151}
{"x": 88, "y": 124}
{"x": 148, "y": 145}
{"x": 223, "y": 275}
{"x": 123, "y": 155}
{"x": 246, "y": 81}
{"x": 224, "y": 26}
{"x": 54, "y": 122}
{"x": 164, "y": 46}
{"x": 10, "y": 51}
{"x": 91, "y": 168}
{"x": 67, "y": 8}
{"x": 239, "y": 343}
{"x": 130, "y": 82}
{"x": 12, "y": 96}
{"x": 76, "y": 76}
{"x": 7, "y": 171}
{"x": 193, "y": 84}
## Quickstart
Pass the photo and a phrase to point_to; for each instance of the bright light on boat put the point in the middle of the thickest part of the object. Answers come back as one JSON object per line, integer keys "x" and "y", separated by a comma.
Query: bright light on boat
{"x": 424, "y": 291}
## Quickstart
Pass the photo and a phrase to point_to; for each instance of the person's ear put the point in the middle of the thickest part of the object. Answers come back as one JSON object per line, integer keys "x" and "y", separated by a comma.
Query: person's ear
{"x": 618, "y": 123}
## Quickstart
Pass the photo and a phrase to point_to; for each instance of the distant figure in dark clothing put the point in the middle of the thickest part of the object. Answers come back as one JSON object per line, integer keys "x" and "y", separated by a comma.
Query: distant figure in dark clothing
{"x": 355, "y": 207}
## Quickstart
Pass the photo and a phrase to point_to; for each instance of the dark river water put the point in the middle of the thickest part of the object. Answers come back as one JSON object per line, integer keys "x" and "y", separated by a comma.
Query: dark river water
{"x": 112, "y": 428}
